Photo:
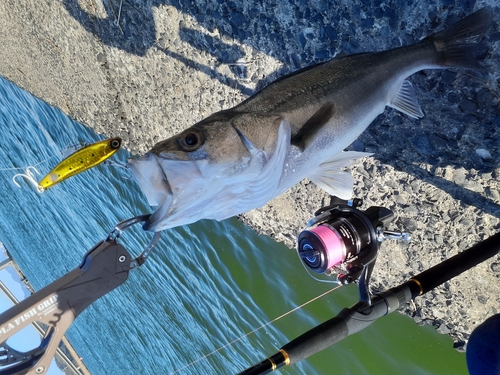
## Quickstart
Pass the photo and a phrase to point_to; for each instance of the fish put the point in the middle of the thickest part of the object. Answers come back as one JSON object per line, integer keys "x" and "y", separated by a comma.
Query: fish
{"x": 80, "y": 161}
{"x": 297, "y": 127}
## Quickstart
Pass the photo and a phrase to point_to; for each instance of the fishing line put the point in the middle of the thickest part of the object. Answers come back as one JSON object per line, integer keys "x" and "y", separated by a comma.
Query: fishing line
{"x": 70, "y": 149}
{"x": 29, "y": 166}
{"x": 254, "y": 330}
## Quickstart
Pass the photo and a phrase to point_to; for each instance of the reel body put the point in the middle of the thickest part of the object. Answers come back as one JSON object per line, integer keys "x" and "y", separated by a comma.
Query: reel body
{"x": 343, "y": 240}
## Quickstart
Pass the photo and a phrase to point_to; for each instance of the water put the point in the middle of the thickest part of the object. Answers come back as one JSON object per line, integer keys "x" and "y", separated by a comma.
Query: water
{"x": 204, "y": 285}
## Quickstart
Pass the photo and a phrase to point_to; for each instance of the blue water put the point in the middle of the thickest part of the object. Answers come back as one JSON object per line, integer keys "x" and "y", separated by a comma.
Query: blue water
{"x": 205, "y": 285}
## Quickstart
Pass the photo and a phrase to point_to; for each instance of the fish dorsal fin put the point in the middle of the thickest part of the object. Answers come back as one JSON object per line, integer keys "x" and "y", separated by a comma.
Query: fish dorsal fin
{"x": 331, "y": 179}
{"x": 311, "y": 126}
{"x": 406, "y": 101}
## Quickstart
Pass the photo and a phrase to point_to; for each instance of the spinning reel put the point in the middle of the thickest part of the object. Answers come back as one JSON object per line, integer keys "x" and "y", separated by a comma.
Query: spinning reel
{"x": 343, "y": 240}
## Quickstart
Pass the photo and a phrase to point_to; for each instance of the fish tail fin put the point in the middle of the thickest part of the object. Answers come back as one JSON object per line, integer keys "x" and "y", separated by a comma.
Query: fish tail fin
{"x": 455, "y": 43}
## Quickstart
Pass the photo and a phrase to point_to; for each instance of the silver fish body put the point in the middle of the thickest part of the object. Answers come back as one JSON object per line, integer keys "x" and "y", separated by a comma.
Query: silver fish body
{"x": 239, "y": 159}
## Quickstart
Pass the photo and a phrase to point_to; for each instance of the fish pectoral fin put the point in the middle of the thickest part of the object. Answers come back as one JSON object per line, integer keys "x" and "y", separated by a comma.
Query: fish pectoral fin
{"x": 406, "y": 101}
{"x": 337, "y": 183}
{"x": 334, "y": 181}
{"x": 313, "y": 125}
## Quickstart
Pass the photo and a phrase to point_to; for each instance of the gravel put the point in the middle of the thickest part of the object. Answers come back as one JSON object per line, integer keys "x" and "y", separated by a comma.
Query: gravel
{"x": 145, "y": 70}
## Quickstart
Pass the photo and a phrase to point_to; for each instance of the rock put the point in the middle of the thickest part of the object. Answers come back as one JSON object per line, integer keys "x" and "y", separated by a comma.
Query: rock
{"x": 483, "y": 154}
{"x": 423, "y": 145}
{"x": 467, "y": 106}
{"x": 448, "y": 77}
{"x": 443, "y": 329}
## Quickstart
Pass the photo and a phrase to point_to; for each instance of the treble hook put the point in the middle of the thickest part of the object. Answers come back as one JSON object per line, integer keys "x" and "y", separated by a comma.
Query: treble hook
{"x": 30, "y": 177}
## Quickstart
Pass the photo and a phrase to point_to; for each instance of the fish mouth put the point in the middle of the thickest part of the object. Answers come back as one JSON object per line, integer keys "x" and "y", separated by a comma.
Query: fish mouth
{"x": 154, "y": 184}
{"x": 171, "y": 184}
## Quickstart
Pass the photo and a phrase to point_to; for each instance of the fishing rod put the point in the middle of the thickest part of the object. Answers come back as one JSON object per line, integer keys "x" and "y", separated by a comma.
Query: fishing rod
{"x": 342, "y": 235}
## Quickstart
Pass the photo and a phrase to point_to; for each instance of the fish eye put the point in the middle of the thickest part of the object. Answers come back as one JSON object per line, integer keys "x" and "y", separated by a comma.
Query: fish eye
{"x": 115, "y": 143}
{"x": 190, "y": 141}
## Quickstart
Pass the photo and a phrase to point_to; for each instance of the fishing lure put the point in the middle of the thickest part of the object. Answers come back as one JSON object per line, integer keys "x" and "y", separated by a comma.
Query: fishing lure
{"x": 83, "y": 159}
